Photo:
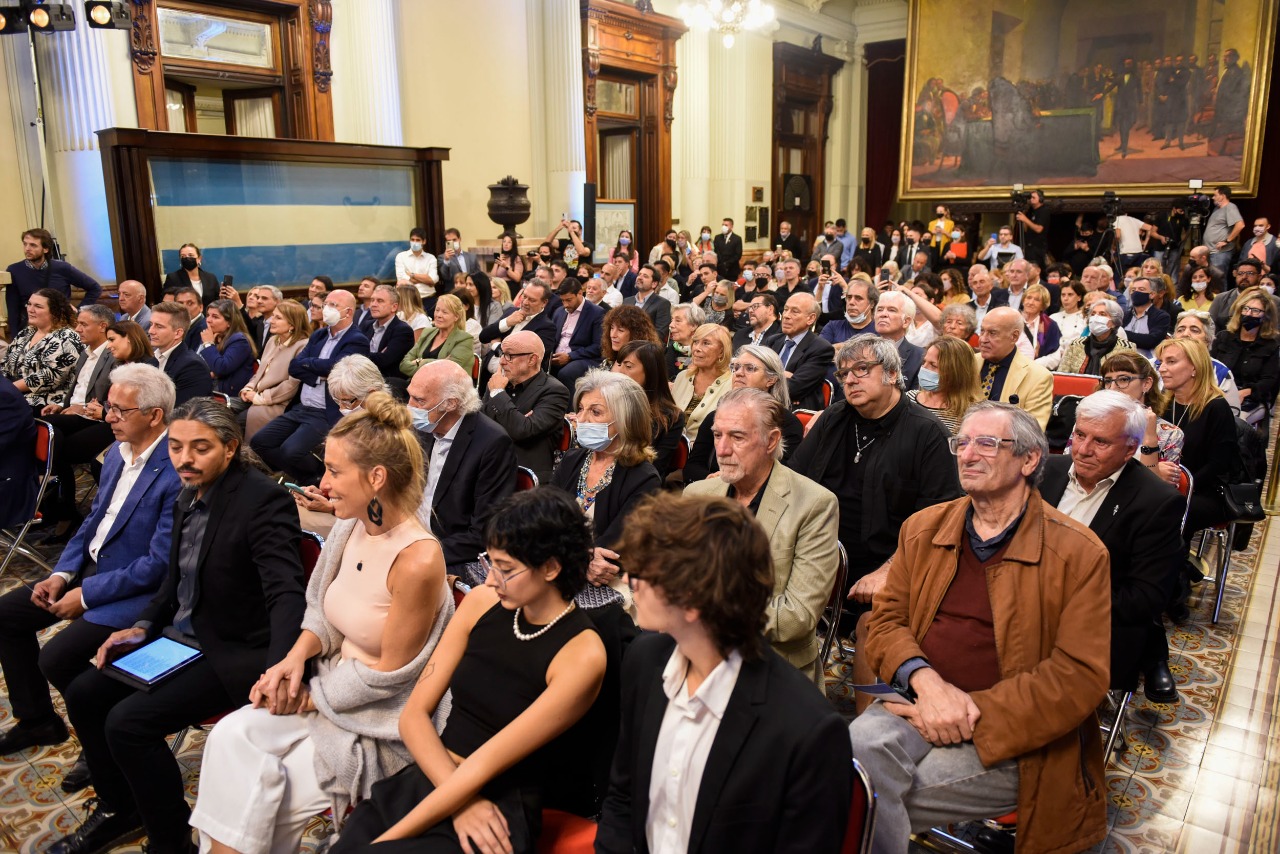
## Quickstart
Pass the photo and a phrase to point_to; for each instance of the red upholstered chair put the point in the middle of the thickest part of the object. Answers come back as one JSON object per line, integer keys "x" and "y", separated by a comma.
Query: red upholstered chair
{"x": 566, "y": 437}
{"x": 566, "y": 833}
{"x": 43, "y": 452}
{"x": 862, "y": 814}
{"x": 525, "y": 479}
{"x": 1077, "y": 384}
{"x": 221, "y": 397}
{"x": 681, "y": 455}
{"x": 828, "y": 390}
{"x": 805, "y": 416}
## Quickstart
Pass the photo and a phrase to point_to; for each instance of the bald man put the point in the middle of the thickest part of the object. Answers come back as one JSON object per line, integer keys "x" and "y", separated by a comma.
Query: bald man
{"x": 805, "y": 354}
{"x": 529, "y": 404}
{"x": 287, "y": 442}
{"x": 133, "y": 303}
{"x": 1007, "y": 375}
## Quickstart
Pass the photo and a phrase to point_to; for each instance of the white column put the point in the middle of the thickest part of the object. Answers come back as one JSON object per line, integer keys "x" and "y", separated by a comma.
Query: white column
{"x": 691, "y": 131}
{"x": 87, "y": 82}
{"x": 566, "y": 150}
{"x": 843, "y": 193}
{"x": 366, "y": 83}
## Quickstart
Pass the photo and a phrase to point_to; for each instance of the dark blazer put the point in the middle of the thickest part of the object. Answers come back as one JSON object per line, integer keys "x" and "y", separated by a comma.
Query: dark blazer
{"x": 584, "y": 343}
{"x": 808, "y": 366}
{"x": 18, "y": 466}
{"x": 134, "y": 557}
{"x": 832, "y": 306}
{"x": 629, "y": 485}
{"x": 1159, "y": 325}
{"x": 541, "y": 325}
{"x": 258, "y": 329}
{"x": 190, "y": 374}
{"x": 99, "y": 383}
{"x": 533, "y": 417}
{"x": 310, "y": 367}
{"x": 193, "y": 338}
{"x": 743, "y": 336}
{"x": 249, "y": 611}
{"x": 449, "y": 269}
{"x": 397, "y": 341}
{"x": 791, "y": 243}
{"x": 912, "y": 359}
{"x": 208, "y": 284}
{"x": 478, "y": 473}
{"x": 1138, "y": 523}
{"x": 728, "y": 248}
{"x": 779, "y": 775}
{"x": 659, "y": 311}
{"x": 233, "y": 366}
{"x": 999, "y": 298}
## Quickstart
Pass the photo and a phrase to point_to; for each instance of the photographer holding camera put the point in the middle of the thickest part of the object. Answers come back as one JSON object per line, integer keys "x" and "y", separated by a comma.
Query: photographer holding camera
{"x": 1034, "y": 218}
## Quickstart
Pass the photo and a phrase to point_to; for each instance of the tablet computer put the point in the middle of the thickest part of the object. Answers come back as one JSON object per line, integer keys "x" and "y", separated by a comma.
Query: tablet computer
{"x": 149, "y": 665}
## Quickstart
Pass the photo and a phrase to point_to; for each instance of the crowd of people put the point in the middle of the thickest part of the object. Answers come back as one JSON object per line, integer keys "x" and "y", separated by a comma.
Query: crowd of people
{"x": 657, "y": 469}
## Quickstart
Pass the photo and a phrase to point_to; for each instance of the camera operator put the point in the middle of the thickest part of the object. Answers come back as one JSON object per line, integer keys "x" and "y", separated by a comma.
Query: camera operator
{"x": 1084, "y": 248}
{"x": 1035, "y": 228}
{"x": 1130, "y": 234}
{"x": 1165, "y": 239}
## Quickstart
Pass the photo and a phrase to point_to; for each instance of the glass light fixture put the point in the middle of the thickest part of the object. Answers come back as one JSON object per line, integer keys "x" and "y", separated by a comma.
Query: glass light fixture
{"x": 727, "y": 17}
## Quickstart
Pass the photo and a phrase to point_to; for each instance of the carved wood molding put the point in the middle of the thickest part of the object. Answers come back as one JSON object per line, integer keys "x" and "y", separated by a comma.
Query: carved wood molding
{"x": 669, "y": 80}
{"x": 591, "y": 67}
{"x": 321, "y": 25}
{"x": 142, "y": 37}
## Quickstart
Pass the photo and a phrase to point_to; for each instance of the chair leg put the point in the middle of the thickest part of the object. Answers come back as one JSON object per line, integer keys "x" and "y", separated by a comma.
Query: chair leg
{"x": 1117, "y": 726}
{"x": 1222, "y": 570}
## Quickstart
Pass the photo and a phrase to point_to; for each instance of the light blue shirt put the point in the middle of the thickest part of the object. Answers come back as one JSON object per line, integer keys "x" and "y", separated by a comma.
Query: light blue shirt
{"x": 316, "y": 396}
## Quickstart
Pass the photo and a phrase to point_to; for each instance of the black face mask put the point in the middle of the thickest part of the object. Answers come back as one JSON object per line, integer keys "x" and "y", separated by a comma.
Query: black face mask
{"x": 671, "y": 243}
{"x": 1139, "y": 298}
{"x": 189, "y": 264}
{"x": 1250, "y": 322}
{"x": 831, "y": 235}
{"x": 545, "y": 259}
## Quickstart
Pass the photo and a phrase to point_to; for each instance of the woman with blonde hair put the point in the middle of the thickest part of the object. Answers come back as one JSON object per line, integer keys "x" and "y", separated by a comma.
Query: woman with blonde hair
{"x": 449, "y": 339}
{"x": 377, "y": 604}
{"x": 1132, "y": 375}
{"x": 697, "y": 389}
{"x": 948, "y": 381}
{"x": 271, "y": 388}
{"x": 412, "y": 311}
{"x": 1249, "y": 347}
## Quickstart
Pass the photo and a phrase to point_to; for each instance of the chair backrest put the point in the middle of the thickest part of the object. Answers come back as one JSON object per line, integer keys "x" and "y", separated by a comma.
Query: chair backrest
{"x": 221, "y": 397}
{"x": 828, "y": 390}
{"x": 475, "y": 372}
{"x": 681, "y": 454}
{"x": 525, "y": 479}
{"x": 835, "y": 603}
{"x": 566, "y": 437}
{"x": 309, "y": 552}
{"x": 1078, "y": 384}
{"x": 862, "y": 813}
{"x": 804, "y": 416}
{"x": 1186, "y": 485}
{"x": 44, "y": 442}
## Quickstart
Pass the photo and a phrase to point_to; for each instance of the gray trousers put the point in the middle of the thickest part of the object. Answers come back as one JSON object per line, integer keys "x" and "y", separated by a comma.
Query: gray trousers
{"x": 919, "y": 786}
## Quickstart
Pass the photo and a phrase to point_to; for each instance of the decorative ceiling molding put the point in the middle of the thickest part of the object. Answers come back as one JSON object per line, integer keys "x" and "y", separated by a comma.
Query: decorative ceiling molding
{"x": 799, "y": 15}
{"x": 880, "y": 20}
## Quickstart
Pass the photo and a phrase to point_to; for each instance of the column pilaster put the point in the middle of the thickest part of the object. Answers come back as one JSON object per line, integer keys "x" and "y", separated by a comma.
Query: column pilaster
{"x": 366, "y": 80}
{"x": 566, "y": 150}
{"x": 691, "y": 132}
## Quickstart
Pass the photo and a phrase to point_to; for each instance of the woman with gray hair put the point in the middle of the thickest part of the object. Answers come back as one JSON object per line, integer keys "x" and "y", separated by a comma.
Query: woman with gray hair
{"x": 1086, "y": 355}
{"x": 959, "y": 321}
{"x": 609, "y": 472}
{"x": 685, "y": 320}
{"x": 753, "y": 366}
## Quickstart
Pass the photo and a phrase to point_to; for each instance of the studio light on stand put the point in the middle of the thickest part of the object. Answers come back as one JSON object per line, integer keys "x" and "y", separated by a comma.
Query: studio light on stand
{"x": 107, "y": 15}
{"x": 51, "y": 17}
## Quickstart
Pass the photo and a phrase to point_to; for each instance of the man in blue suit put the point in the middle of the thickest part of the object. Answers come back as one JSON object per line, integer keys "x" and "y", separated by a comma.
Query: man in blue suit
{"x": 109, "y": 570}
{"x": 578, "y": 328}
{"x": 287, "y": 442}
{"x": 390, "y": 338}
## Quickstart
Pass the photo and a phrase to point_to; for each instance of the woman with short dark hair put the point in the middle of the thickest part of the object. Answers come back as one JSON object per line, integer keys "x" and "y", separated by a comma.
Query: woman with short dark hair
{"x": 41, "y": 358}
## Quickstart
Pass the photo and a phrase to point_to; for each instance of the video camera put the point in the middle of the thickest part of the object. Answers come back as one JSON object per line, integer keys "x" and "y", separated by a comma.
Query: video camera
{"x": 1021, "y": 199}
{"x": 1111, "y": 204}
{"x": 1198, "y": 206}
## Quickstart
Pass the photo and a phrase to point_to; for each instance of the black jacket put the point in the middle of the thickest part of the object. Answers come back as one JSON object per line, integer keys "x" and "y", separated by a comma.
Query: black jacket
{"x": 1253, "y": 364}
{"x": 779, "y": 775}
{"x": 189, "y": 372}
{"x": 478, "y": 473}
{"x": 743, "y": 336}
{"x": 808, "y": 367}
{"x": 533, "y": 417}
{"x": 208, "y": 284}
{"x": 249, "y": 609}
{"x": 614, "y": 502}
{"x": 397, "y": 341}
{"x": 728, "y": 248}
{"x": 1139, "y": 523}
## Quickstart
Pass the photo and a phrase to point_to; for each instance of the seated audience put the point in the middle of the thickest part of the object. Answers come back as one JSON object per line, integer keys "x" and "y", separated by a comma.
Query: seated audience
{"x": 643, "y": 362}
{"x": 895, "y": 314}
{"x": 1146, "y": 325}
{"x": 754, "y": 366}
{"x": 700, "y": 570}
{"x": 898, "y": 465}
{"x": 104, "y": 577}
{"x": 487, "y": 308}
{"x": 1248, "y": 274}
{"x": 471, "y": 462}
{"x": 1161, "y": 447}
{"x": 191, "y": 274}
{"x": 955, "y": 289}
{"x": 861, "y": 300}
{"x": 377, "y": 604}
{"x": 805, "y": 355}
{"x": 923, "y": 293}
{"x": 390, "y": 338}
{"x": 189, "y": 299}
{"x": 227, "y": 348}
{"x": 947, "y": 384}
{"x": 40, "y": 359}
{"x": 1010, "y": 699}
{"x": 411, "y": 310}
{"x": 686, "y": 319}
{"x": 697, "y": 389}
{"x": 1071, "y": 319}
{"x": 608, "y": 473}
{"x": 959, "y": 321}
{"x": 189, "y": 372}
{"x": 1137, "y": 516}
{"x": 1248, "y": 347}
{"x": 762, "y": 322}
{"x": 287, "y": 442}
{"x": 528, "y": 403}
{"x": 132, "y": 298}
{"x": 448, "y": 339}
{"x": 531, "y": 316}
{"x": 515, "y": 741}
{"x": 986, "y": 296}
{"x": 1199, "y": 325}
{"x": 315, "y": 312}
{"x": 1040, "y": 329}
{"x": 1005, "y": 373}
{"x": 1198, "y": 288}
{"x": 620, "y": 327}
{"x": 270, "y": 389}
{"x": 233, "y": 589}
{"x": 1085, "y": 355}
{"x": 648, "y": 299}
{"x": 578, "y": 323}
{"x": 798, "y": 516}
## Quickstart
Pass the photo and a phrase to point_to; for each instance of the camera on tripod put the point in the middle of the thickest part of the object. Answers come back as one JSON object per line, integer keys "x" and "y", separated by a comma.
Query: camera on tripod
{"x": 1021, "y": 199}
{"x": 1111, "y": 204}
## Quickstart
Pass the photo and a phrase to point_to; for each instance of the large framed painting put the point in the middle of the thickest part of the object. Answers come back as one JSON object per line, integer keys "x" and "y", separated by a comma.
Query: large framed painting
{"x": 1083, "y": 96}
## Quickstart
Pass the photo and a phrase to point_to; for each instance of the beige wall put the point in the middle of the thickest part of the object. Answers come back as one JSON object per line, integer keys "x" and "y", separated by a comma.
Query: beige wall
{"x": 13, "y": 217}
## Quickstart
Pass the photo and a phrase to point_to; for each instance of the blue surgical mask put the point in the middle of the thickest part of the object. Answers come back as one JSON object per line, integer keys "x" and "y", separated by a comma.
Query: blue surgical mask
{"x": 927, "y": 379}
{"x": 422, "y": 418}
{"x": 593, "y": 436}
{"x": 748, "y": 275}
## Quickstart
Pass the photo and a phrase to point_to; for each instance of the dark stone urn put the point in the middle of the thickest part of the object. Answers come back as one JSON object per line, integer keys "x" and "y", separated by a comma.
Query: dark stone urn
{"x": 509, "y": 203}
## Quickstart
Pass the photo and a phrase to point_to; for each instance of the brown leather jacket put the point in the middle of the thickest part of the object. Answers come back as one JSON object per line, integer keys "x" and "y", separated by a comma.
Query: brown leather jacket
{"x": 1051, "y": 599}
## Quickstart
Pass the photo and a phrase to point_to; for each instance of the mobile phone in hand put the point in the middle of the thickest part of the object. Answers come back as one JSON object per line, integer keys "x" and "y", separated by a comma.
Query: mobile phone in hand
{"x": 826, "y": 268}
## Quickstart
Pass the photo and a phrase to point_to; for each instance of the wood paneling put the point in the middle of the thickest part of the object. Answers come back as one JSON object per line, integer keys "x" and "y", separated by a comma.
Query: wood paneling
{"x": 801, "y": 82}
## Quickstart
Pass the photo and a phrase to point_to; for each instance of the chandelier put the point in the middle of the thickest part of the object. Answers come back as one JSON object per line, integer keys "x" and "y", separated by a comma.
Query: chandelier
{"x": 728, "y": 17}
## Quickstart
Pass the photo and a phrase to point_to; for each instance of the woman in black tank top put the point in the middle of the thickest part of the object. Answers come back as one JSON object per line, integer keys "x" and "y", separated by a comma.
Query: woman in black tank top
{"x": 524, "y": 666}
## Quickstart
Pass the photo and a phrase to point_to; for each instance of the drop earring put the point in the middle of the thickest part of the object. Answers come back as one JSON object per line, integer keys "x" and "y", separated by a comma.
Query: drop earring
{"x": 374, "y": 510}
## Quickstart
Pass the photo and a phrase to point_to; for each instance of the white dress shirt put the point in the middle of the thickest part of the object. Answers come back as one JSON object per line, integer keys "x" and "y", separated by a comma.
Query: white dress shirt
{"x": 439, "y": 453}
{"x": 163, "y": 356}
{"x": 421, "y": 264}
{"x": 128, "y": 477}
{"x": 689, "y": 728}
{"x": 81, "y": 389}
{"x": 1080, "y": 505}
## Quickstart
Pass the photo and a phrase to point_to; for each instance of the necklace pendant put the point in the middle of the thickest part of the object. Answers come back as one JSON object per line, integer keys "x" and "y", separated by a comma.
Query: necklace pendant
{"x": 857, "y": 458}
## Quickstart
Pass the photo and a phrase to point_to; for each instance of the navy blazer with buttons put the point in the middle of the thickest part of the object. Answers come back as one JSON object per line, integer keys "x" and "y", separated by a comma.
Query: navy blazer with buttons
{"x": 311, "y": 368}
{"x": 584, "y": 343}
{"x": 189, "y": 372}
{"x": 17, "y": 456}
{"x": 397, "y": 341}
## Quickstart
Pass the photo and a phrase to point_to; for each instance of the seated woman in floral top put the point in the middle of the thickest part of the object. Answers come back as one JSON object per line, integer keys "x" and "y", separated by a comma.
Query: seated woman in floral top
{"x": 40, "y": 361}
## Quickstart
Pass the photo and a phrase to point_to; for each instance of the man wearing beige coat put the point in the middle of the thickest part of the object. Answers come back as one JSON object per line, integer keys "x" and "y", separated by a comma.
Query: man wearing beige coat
{"x": 799, "y": 517}
{"x": 1005, "y": 373}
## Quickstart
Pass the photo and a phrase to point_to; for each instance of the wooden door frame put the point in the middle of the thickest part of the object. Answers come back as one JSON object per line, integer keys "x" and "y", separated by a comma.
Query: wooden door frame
{"x": 275, "y": 93}
{"x": 802, "y": 75}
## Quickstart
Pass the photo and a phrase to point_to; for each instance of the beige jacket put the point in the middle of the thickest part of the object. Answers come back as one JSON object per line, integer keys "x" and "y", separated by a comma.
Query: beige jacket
{"x": 801, "y": 519}
{"x": 273, "y": 382}
{"x": 1032, "y": 383}
{"x": 682, "y": 391}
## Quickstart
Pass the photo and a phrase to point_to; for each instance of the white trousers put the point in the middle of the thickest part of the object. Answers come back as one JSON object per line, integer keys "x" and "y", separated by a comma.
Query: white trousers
{"x": 258, "y": 786}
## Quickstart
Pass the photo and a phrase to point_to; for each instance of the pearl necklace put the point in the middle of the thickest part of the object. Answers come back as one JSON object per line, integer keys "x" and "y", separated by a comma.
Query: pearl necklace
{"x": 515, "y": 624}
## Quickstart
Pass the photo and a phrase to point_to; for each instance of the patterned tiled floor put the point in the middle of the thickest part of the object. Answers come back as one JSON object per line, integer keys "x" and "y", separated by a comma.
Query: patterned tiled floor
{"x": 1199, "y": 776}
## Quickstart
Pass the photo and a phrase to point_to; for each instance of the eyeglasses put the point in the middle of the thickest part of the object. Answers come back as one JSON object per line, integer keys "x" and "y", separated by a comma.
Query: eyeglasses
{"x": 112, "y": 409}
{"x": 510, "y": 356}
{"x": 744, "y": 367}
{"x": 1121, "y": 381}
{"x": 987, "y": 446}
{"x": 859, "y": 370}
{"x": 503, "y": 576}
{"x": 1253, "y": 312}
{"x": 347, "y": 402}
{"x": 632, "y": 580}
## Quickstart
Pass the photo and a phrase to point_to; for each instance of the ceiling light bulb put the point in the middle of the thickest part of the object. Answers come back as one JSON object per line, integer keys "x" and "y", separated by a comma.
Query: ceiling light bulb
{"x": 728, "y": 40}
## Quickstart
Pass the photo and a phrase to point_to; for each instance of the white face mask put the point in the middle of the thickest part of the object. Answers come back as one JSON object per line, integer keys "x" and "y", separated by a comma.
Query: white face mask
{"x": 1199, "y": 287}
{"x": 415, "y": 245}
{"x": 1258, "y": 231}
{"x": 1099, "y": 325}
{"x": 706, "y": 235}
{"x": 331, "y": 316}
{"x": 724, "y": 229}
